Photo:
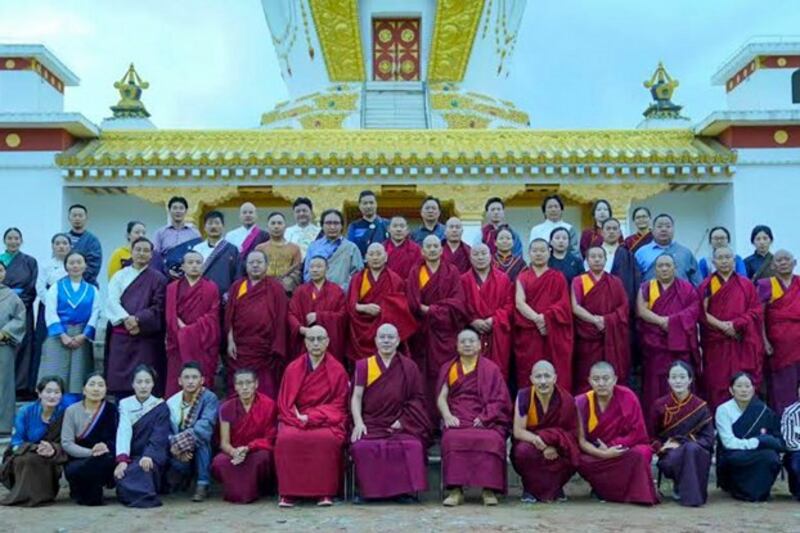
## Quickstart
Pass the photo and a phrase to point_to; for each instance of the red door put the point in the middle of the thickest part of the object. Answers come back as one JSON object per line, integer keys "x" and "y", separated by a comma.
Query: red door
{"x": 395, "y": 49}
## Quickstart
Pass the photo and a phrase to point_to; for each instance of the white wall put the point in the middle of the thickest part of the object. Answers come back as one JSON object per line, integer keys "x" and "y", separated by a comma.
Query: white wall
{"x": 25, "y": 90}
{"x": 765, "y": 89}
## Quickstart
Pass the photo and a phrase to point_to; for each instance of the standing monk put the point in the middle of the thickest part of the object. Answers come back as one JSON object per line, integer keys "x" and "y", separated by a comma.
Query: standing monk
{"x": 193, "y": 328}
{"x": 542, "y": 318}
{"x": 781, "y": 295}
{"x": 436, "y": 298}
{"x": 731, "y": 328}
{"x": 476, "y": 410}
{"x": 318, "y": 303}
{"x": 376, "y": 296}
{"x": 403, "y": 252}
{"x": 391, "y": 427}
{"x": 489, "y": 296}
{"x": 600, "y": 306}
{"x": 454, "y": 250}
{"x": 616, "y": 454}
{"x": 668, "y": 308}
{"x": 312, "y": 410}
{"x": 135, "y": 311}
{"x": 545, "y": 451}
{"x": 255, "y": 323}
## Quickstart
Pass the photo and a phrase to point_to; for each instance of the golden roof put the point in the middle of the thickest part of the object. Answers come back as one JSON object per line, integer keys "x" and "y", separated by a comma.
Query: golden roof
{"x": 395, "y": 147}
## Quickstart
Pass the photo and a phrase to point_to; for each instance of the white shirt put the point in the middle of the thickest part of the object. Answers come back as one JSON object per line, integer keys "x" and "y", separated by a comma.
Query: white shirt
{"x": 790, "y": 427}
{"x": 302, "y": 237}
{"x": 611, "y": 250}
{"x": 204, "y": 249}
{"x": 50, "y": 272}
{"x": 237, "y": 236}
{"x": 543, "y": 230}
{"x": 116, "y": 287}
{"x": 727, "y": 415}
{"x": 130, "y": 411}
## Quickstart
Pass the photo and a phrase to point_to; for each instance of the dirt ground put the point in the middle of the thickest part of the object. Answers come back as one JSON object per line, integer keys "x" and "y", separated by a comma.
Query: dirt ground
{"x": 579, "y": 514}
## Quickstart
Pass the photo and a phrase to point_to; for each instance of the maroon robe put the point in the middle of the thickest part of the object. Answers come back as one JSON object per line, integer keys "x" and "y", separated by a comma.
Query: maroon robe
{"x": 256, "y": 429}
{"x": 492, "y": 298}
{"x": 546, "y": 294}
{"x": 680, "y": 303}
{"x": 637, "y": 240}
{"x": 627, "y": 478}
{"x": 388, "y": 291}
{"x": 434, "y": 343}
{"x": 308, "y": 456}
{"x": 256, "y": 314}
{"x": 543, "y": 478}
{"x": 459, "y": 257}
{"x": 144, "y": 299}
{"x": 199, "y": 340}
{"x": 402, "y": 257}
{"x": 330, "y": 305}
{"x": 782, "y": 325}
{"x": 606, "y": 298}
{"x": 475, "y": 456}
{"x": 391, "y": 462}
{"x": 735, "y": 300}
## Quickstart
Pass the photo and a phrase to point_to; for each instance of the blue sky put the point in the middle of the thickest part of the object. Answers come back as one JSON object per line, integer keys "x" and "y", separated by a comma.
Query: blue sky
{"x": 210, "y": 63}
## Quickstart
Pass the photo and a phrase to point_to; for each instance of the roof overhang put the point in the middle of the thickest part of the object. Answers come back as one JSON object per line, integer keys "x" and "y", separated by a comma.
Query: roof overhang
{"x": 757, "y": 46}
{"x": 44, "y": 56}
{"x": 718, "y": 121}
{"x": 74, "y": 123}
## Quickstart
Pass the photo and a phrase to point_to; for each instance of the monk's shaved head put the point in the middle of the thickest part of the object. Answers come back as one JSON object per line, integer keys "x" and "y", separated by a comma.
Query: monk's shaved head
{"x": 468, "y": 333}
{"x": 543, "y": 365}
{"x": 318, "y": 330}
{"x": 387, "y": 339}
{"x": 602, "y": 379}
{"x": 724, "y": 248}
{"x": 480, "y": 248}
{"x": 430, "y": 239}
{"x": 783, "y": 253}
{"x": 387, "y": 328}
{"x": 247, "y": 205}
{"x": 376, "y": 246}
{"x": 602, "y": 367}
{"x": 543, "y": 378}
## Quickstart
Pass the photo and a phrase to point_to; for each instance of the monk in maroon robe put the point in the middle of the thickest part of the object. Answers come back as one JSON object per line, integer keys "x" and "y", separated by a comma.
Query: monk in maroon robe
{"x": 454, "y": 250}
{"x": 545, "y": 448}
{"x": 668, "y": 308}
{"x": 542, "y": 318}
{"x": 256, "y": 325}
{"x": 476, "y": 413}
{"x": 436, "y": 298}
{"x": 731, "y": 328}
{"x": 601, "y": 313}
{"x": 781, "y": 297}
{"x": 312, "y": 407}
{"x": 248, "y": 424}
{"x": 402, "y": 252}
{"x": 391, "y": 427}
{"x": 318, "y": 302}
{"x": 376, "y": 295}
{"x": 193, "y": 323}
{"x": 489, "y": 298}
{"x": 616, "y": 453}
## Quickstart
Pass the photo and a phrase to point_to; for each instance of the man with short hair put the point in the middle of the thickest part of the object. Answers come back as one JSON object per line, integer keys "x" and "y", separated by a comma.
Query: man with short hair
{"x": 173, "y": 240}
{"x": 343, "y": 257}
{"x": 312, "y": 407}
{"x": 615, "y": 449}
{"x": 220, "y": 258}
{"x": 193, "y": 418}
{"x": 304, "y": 231}
{"x": 454, "y": 250}
{"x": 193, "y": 322}
{"x": 284, "y": 259}
{"x": 663, "y": 234}
{"x": 495, "y": 220}
{"x": 84, "y": 241}
{"x": 370, "y": 227}
{"x": 255, "y": 324}
{"x": 402, "y": 252}
{"x": 247, "y": 236}
{"x": 430, "y": 211}
{"x": 620, "y": 260}
{"x": 476, "y": 412}
{"x": 391, "y": 427}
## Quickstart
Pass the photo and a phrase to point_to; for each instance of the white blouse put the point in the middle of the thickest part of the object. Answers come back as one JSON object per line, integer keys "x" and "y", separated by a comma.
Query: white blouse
{"x": 727, "y": 415}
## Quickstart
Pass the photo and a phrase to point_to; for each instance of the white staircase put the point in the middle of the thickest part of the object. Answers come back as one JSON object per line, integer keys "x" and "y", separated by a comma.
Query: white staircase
{"x": 394, "y": 105}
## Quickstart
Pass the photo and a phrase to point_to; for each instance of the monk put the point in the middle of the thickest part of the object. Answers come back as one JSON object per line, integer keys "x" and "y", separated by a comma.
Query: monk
{"x": 731, "y": 328}
{"x": 454, "y": 250}
{"x": 600, "y": 306}
{"x": 781, "y": 294}
{"x": 476, "y": 413}
{"x": 402, "y": 252}
{"x": 391, "y": 427}
{"x": 545, "y": 451}
{"x": 193, "y": 323}
{"x": 668, "y": 309}
{"x": 318, "y": 302}
{"x": 312, "y": 410}
{"x": 542, "y": 318}
{"x": 376, "y": 295}
{"x": 489, "y": 296}
{"x": 436, "y": 298}
{"x": 256, "y": 325}
{"x": 616, "y": 453}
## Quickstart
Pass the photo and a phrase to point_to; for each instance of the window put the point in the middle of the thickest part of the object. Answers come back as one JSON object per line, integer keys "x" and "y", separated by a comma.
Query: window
{"x": 796, "y": 87}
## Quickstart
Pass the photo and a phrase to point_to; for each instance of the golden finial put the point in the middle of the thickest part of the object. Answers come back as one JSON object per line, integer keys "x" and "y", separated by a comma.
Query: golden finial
{"x": 130, "y": 89}
{"x": 662, "y": 86}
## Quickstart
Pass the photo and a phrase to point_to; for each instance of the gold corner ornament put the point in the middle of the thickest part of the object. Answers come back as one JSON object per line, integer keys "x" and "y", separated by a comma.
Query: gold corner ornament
{"x": 130, "y": 88}
{"x": 337, "y": 25}
{"x": 664, "y": 83}
{"x": 454, "y": 31}
{"x": 198, "y": 197}
{"x": 322, "y": 196}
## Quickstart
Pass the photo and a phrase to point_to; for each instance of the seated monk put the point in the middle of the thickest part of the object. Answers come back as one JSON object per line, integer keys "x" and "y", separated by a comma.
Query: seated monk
{"x": 391, "y": 427}
{"x": 616, "y": 454}
{"x": 403, "y": 253}
{"x": 545, "y": 450}
{"x": 476, "y": 413}
{"x": 248, "y": 423}
{"x": 312, "y": 407}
